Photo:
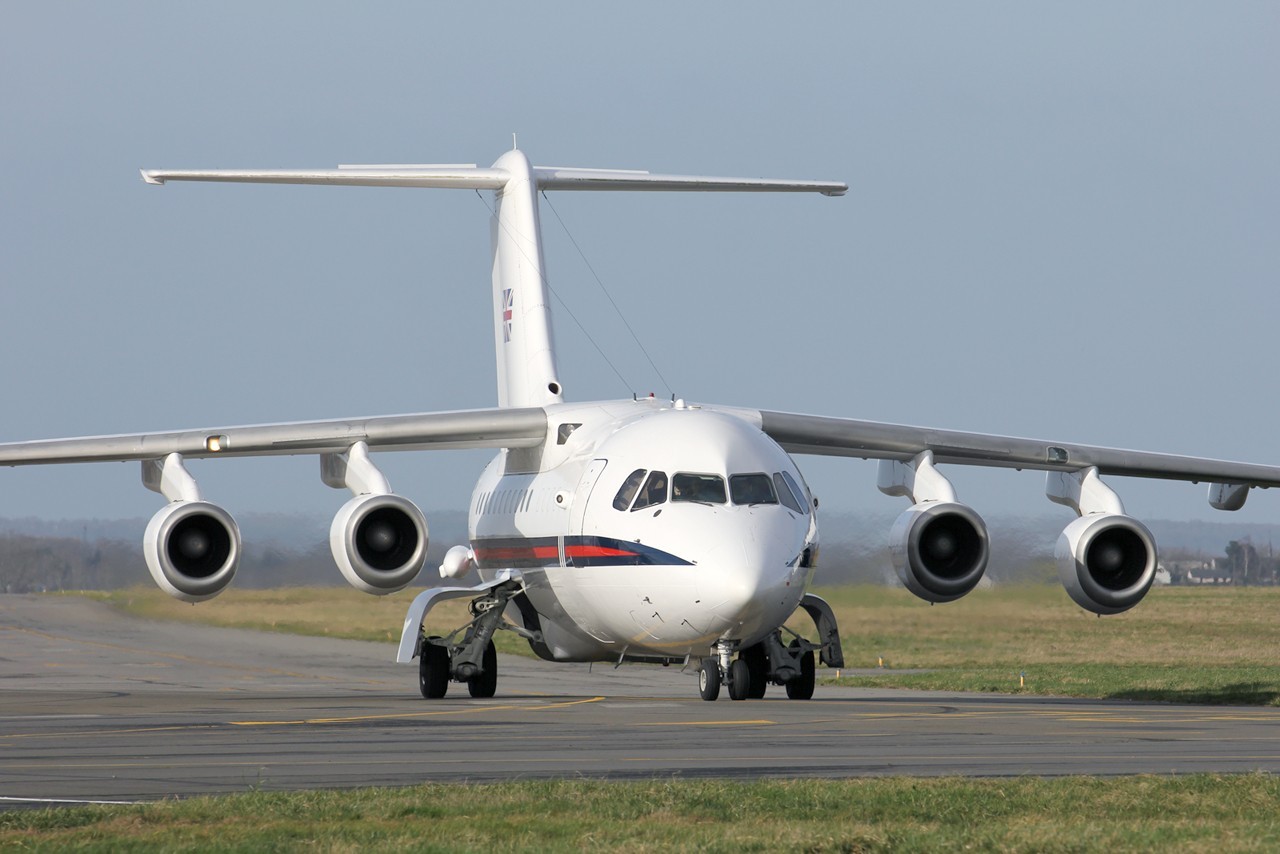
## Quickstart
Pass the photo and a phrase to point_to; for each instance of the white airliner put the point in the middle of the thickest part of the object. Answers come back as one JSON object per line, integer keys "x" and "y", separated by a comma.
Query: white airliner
{"x": 628, "y": 530}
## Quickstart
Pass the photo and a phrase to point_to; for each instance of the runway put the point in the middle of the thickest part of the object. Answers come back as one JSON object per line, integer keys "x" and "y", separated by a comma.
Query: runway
{"x": 97, "y": 706}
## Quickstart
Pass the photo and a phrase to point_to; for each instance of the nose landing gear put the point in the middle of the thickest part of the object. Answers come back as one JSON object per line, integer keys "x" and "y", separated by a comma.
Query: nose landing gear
{"x": 709, "y": 679}
{"x": 793, "y": 666}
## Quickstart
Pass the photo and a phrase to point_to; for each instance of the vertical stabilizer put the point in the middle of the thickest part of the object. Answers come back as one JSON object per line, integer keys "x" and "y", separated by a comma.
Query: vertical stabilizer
{"x": 527, "y": 373}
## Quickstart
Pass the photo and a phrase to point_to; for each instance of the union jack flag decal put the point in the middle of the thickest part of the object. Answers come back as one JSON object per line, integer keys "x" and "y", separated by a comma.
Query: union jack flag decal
{"x": 508, "y": 299}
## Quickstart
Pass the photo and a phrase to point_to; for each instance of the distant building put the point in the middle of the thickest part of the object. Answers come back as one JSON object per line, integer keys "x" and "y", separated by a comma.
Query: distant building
{"x": 1196, "y": 571}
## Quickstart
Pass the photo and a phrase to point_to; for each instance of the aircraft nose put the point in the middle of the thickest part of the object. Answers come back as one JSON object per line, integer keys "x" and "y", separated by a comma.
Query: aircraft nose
{"x": 745, "y": 580}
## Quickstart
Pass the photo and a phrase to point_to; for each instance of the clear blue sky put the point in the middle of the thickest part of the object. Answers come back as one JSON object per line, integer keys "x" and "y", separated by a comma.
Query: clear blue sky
{"x": 1062, "y": 223}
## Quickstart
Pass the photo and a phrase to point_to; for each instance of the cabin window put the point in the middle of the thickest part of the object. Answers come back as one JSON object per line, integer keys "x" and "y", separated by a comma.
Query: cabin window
{"x": 622, "y": 500}
{"x": 785, "y": 494}
{"x": 703, "y": 488}
{"x": 752, "y": 489}
{"x": 654, "y": 492}
{"x": 564, "y": 431}
{"x": 801, "y": 496}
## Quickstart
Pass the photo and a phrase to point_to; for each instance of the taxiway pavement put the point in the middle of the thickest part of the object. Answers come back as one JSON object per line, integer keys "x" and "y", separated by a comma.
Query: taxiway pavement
{"x": 98, "y": 706}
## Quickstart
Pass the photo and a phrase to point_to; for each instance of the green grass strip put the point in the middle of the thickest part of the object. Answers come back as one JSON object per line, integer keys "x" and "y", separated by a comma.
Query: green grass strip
{"x": 1249, "y": 685}
{"x": 1193, "y": 813}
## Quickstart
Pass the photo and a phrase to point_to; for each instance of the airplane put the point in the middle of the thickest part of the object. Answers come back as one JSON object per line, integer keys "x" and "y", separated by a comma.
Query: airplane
{"x": 639, "y": 530}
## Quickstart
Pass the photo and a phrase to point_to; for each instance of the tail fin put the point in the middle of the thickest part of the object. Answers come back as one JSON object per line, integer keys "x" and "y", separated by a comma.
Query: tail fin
{"x": 527, "y": 374}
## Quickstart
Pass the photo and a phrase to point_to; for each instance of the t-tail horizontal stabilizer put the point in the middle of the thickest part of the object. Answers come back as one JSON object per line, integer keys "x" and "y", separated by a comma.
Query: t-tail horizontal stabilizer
{"x": 470, "y": 177}
{"x": 527, "y": 374}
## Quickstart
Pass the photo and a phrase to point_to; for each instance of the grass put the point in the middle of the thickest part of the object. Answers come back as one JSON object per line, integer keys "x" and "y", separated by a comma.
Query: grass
{"x": 337, "y": 612}
{"x": 1193, "y": 813}
{"x": 1181, "y": 644}
{"x": 1214, "y": 645}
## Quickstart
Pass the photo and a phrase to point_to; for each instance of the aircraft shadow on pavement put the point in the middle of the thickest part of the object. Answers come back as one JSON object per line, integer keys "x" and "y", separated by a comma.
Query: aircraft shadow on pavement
{"x": 1239, "y": 694}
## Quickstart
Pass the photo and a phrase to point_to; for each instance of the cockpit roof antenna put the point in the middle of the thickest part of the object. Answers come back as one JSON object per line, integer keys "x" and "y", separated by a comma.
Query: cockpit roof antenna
{"x": 514, "y": 146}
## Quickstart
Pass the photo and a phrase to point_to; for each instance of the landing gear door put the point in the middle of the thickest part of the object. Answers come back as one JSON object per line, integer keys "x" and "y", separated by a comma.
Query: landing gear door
{"x": 582, "y": 496}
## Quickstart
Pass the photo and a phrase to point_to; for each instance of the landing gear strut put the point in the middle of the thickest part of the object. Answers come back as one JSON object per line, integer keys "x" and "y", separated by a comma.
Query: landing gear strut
{"x": 473, "y": 659}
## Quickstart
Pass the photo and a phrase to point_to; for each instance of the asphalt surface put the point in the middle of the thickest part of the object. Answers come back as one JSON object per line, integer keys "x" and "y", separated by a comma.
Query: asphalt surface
{"x": 97, "y": 706}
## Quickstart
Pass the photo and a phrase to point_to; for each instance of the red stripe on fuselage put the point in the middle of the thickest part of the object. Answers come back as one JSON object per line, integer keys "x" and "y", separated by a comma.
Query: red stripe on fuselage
{"x": 595, "y": 551}
{"x": 497, "y": 555}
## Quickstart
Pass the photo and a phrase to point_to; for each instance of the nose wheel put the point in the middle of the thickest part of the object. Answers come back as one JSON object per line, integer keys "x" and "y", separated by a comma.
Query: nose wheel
{"x": 793, "y": 666}
{"x": 709, "y": 679}
{"x": 739, "y": 680}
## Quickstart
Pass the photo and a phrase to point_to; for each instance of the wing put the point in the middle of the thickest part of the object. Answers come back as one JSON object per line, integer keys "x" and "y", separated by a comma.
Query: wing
{"x": 847, "y": 437}
{"x": 479, "y": 428}
{"x": 379, "y": 539}
{"x": 1107, "y": 561}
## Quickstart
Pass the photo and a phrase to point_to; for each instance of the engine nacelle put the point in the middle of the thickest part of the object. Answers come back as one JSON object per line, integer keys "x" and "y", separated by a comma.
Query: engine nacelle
{"x": 379, "y": 542}
{"x": 192, "y": 549}
{"x": 1106, "y": 561}
{"x": 939, "y": 549}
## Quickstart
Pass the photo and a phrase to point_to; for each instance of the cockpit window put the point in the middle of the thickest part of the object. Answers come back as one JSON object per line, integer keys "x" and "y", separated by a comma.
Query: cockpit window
{"x": 622, "y": 500}
{"x": 784, "y": 493}
{"x": 654, "y": 492}
{"x": 796, "y": 490}
{"x": 751, "y": 489}
{"x": 705, "y": 488}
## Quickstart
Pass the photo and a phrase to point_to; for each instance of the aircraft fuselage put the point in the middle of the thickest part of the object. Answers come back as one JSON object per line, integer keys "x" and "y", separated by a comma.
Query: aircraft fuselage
{"x": 648, "y": 529}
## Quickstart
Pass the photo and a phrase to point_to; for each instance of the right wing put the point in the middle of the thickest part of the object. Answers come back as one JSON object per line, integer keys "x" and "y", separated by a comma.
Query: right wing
{"x": 379, "y": 539}
{"x": 477, "y": 428}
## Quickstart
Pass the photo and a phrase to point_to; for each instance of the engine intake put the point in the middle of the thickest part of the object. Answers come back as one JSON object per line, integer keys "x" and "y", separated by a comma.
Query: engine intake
{"x": 379, "y": 542}
{"x": 1106, "y": 561}
{"x": 939, "y": 550}
{"x": 192, "y": 549}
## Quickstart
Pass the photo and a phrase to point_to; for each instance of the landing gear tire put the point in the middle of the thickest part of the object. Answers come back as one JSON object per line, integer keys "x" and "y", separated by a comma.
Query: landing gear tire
{"x": 433, "y": 670}
{"x": 801, "y": 686}
{"x": 758, "y": 663}
{"x": 739, "y": 680}
{"x": 485, "y": 683}
{"x": 709, "y": 679}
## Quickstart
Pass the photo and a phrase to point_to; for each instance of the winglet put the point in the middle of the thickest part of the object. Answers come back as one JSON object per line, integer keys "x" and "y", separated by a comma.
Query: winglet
{"x": 150, "y": 178}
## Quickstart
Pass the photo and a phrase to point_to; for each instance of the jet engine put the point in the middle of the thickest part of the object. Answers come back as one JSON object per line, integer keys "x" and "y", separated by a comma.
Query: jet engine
{"x": 939, "y": 549}
{"x": 379, "y": 542}
{"x": 1106, "y": 561}
{"x": 192, "y": 549}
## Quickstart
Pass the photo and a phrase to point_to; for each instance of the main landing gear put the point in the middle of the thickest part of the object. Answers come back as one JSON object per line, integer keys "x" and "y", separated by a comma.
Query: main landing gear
{"x": 472, "y": 660}
{"x": 770, "y": 662}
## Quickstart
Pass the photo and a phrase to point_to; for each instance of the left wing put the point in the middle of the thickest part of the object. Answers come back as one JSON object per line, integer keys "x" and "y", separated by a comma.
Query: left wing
{"x": 1107, "y": 560}
{"x": 847, "y": 437}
